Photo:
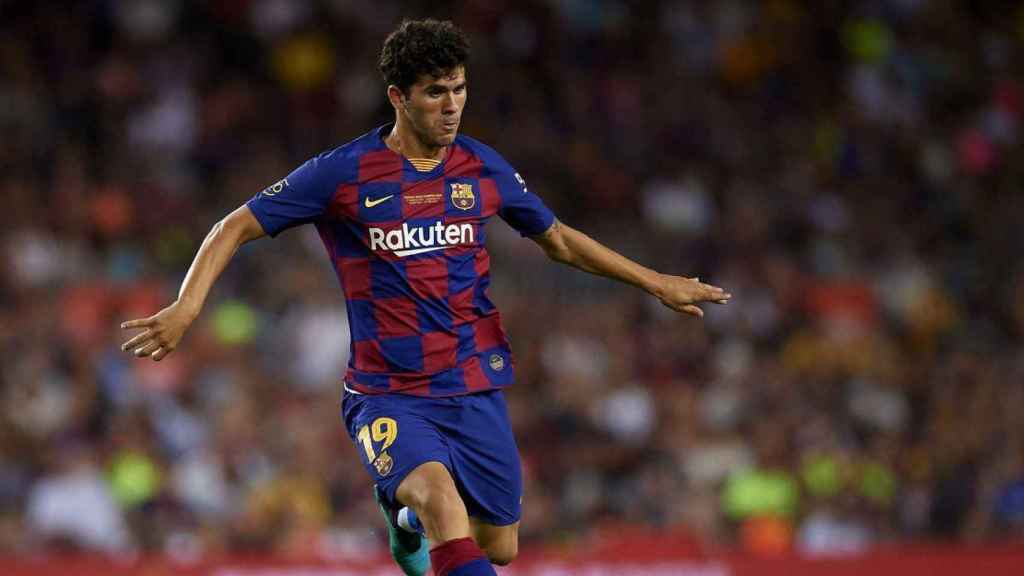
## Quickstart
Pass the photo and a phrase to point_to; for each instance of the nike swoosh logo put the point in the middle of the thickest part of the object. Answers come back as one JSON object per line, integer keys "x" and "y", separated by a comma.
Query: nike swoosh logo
{"x": 371, "y": 203}
{"x": 404, "y": 253}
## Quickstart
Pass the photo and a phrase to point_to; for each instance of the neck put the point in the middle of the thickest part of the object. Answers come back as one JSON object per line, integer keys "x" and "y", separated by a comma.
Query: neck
{"x": 404, "y": 140}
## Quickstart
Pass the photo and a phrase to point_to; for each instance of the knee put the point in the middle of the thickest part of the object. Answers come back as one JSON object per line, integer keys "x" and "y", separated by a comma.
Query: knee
{"x": 430, "y": 494}
{"x": 500, "y": 543}
{"x": 502, "y": 553}
{"x": 435, "y": 501}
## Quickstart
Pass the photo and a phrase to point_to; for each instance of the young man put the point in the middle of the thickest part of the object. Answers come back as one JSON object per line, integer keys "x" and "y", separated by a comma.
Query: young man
{"x": 401, "y": 211}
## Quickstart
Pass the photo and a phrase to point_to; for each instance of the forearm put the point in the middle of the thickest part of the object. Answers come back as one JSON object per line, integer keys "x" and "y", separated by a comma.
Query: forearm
{"x": 217, "y": 249}
{"x": 583, "y": 252}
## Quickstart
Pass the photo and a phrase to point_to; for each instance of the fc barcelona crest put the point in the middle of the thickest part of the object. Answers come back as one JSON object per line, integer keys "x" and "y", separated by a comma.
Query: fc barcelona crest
{"x": 384, "y": 463}
{"x": 462, "y": 196}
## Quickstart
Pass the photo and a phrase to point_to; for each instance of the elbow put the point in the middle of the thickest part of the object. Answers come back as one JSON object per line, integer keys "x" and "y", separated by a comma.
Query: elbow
{"x": 234, "y": 230}
{"x": 560, "y": 253}
{"x": 556, "y": 245}
{"x": 223, "y": 232}
{"x": 218, "y": 228}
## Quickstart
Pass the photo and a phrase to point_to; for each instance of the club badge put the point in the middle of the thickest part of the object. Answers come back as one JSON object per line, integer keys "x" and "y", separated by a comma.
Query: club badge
{"x": 384, "y": 463}
{"x": 462, "y": 196}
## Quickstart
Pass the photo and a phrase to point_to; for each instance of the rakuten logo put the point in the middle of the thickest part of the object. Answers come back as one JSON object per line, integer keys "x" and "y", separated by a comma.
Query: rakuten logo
{"x": 407, "y": 241}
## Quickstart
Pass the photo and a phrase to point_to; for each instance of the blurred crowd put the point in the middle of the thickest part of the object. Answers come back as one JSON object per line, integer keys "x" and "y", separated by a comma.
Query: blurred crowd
{"x": 850, "y": 170}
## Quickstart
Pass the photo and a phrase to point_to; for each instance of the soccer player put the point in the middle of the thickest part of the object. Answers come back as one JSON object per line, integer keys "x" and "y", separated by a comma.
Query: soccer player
{"x": 401, "y": 211}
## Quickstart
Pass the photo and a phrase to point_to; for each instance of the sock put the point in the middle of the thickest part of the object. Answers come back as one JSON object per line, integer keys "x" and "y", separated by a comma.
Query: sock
{"x": 408, "y": 521}
{"x": 460, "y": 557}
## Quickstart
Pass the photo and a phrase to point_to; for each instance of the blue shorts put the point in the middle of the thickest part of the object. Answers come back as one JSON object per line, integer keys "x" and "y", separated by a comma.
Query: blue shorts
{"x": 471, "y": 435}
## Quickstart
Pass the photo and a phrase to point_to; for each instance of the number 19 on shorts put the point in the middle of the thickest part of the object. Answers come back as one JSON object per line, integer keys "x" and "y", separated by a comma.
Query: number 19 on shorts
{"x": 383, "y": 431}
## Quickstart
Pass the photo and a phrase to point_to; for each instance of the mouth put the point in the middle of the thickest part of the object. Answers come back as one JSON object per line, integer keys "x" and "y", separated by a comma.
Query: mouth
{"x": 450, "y": 126}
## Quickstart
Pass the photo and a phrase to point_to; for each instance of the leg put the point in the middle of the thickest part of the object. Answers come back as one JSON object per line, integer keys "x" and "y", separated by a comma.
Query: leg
{"x": 500, "y": 543}
{"x": 431, "y": 492}
{"x": 412, "y": 447}
{"x": 393, "y": 439}
{"x": 485, "y": 460}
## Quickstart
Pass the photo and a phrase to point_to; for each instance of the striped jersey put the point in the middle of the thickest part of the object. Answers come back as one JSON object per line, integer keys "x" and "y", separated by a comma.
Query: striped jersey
{"x": 407, "y": 243}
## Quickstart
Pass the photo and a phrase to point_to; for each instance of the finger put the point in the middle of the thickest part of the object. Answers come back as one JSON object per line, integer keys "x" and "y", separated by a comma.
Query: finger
{"x": 137, "y": 340}
{"x": 139, "y": 323}
{"x": 147, "y": 349}
{"x": 709, "y": 297}
{"x": 693, "y": 310}
{"x": 163, "y": 352}
{"x": 722, "y": 301}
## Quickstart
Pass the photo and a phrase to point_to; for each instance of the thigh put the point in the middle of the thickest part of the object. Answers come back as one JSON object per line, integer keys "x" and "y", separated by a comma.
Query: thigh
{"x": 393, "y": 437}
{"x": 485, "y": 459}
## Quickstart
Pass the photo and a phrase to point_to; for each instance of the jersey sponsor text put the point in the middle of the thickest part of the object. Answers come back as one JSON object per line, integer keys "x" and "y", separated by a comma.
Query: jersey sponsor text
{"x": 409, "y": 240}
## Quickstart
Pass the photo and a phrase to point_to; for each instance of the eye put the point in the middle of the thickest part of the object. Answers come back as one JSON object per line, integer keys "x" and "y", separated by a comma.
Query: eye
{"x": 460, "y": 90}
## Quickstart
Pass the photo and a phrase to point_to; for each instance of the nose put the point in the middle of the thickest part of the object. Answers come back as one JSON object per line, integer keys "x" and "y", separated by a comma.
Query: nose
{"x": 450, "y": 105}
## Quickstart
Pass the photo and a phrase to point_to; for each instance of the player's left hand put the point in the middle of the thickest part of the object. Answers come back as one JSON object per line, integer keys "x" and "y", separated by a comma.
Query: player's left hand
{"x": 682, "y": 294}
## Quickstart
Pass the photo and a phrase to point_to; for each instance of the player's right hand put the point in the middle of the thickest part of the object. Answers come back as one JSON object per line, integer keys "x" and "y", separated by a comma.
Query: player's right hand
{"x": 682, "y": 294}
{"x": 162, "y": 333}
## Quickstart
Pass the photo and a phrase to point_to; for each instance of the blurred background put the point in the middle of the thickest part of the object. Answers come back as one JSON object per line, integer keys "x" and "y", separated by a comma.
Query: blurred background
{"x": 850, "y": 170}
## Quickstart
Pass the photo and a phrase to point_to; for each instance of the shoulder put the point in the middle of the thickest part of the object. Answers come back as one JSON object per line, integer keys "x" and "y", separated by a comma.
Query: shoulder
{"x": 342, "y": 162}
{"x": 493, "y": 162}
{"x": 352, "y": 150}
{"x": 369, "y": 142}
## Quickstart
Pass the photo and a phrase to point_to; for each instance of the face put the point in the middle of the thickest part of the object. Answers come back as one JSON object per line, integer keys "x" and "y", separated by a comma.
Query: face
{"x": 433, "y": 107}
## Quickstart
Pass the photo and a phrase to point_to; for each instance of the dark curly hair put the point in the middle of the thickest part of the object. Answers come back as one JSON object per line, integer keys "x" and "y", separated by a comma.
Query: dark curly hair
{"x": 421, "y": 47}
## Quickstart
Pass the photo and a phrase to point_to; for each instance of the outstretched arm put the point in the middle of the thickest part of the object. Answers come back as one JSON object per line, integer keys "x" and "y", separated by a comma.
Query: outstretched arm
{"x": 572, "y": 247}
{"x": 164, "y": 329}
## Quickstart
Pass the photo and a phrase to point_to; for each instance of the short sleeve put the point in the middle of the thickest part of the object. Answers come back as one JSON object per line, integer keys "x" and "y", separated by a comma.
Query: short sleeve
{"x": 522, "y": 209}
{"x": 301, "y": 197}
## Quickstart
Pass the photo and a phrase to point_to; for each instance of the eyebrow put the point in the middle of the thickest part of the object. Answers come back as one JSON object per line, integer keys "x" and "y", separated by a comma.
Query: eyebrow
{"x": 444, "y": 88}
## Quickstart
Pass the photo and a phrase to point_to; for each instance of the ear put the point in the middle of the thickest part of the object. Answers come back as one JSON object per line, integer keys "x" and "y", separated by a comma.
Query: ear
{"x": 396, "y": 97}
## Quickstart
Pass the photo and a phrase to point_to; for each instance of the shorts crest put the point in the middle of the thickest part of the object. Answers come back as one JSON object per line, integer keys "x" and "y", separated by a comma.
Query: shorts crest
{"x": 384, "y": 463}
